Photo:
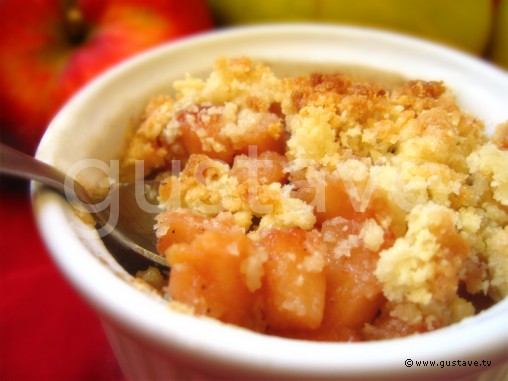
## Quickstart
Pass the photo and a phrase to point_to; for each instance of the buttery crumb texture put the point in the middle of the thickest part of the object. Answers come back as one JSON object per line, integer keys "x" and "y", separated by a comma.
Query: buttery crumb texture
{"x": 325, "y": 208}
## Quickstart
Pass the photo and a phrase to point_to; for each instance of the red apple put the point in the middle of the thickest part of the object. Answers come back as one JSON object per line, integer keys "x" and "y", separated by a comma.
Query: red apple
{"x": 51, "y": 48}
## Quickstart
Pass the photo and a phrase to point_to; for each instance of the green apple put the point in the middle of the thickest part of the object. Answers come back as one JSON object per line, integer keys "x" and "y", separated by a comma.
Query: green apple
{"x": 499, "y": 49}
{"x": 465, "y": 24}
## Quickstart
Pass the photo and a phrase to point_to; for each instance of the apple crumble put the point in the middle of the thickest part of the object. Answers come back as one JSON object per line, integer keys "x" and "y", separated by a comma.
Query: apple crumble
{"x": 321, "y": 207}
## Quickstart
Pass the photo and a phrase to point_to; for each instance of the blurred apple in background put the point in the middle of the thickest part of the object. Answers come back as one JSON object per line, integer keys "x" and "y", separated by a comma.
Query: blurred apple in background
{"x": 499, "y": 48}
{"x": 465, "y": 24}
{"x": 51, "y": 48}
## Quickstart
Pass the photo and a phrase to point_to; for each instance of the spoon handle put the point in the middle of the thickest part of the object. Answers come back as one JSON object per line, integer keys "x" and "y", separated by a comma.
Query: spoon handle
{"x": 19, "y": 164}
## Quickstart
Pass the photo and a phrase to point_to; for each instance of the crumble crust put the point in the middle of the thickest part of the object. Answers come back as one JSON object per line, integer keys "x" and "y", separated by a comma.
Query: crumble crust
{"x": 431, "y": 186}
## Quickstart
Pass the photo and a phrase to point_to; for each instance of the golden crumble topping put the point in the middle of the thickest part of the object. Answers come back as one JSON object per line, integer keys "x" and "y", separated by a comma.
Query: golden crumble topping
{"x": 322, "y": 207}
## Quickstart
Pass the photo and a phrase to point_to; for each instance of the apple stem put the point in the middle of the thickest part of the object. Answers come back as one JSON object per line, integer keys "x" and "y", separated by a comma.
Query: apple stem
{"x": 75, "y": 26}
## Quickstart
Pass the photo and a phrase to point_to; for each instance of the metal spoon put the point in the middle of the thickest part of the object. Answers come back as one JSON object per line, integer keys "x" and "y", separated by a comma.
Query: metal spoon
{"x": 126, "y": 225}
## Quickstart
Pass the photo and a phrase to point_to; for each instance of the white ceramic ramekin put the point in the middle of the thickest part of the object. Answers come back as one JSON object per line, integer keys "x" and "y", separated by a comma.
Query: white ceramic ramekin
{"x": 153, "y": 342}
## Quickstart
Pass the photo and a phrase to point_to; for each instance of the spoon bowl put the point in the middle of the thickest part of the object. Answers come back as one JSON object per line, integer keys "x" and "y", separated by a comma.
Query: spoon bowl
{"x": 125, "y": 216}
